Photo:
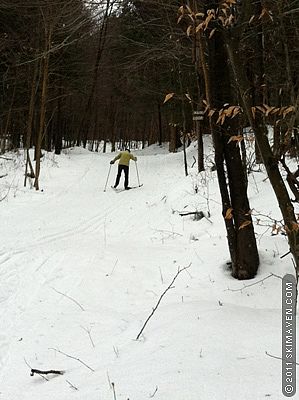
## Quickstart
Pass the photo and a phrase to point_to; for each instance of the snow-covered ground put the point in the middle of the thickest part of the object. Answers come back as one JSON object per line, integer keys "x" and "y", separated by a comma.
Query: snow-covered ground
{"x": 81, "y": 270}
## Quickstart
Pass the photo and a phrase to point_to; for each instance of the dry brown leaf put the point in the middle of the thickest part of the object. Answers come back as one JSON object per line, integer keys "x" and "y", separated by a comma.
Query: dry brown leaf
{"x": 180, "y": 18}
{"x": 275, "y": 111}
{"x": 212, "y": 33}
{"x": 236, "y": 138}
{"x": 269, "y": 110}
{"x": 229, "y": 111}
{"x": 168, "y": 97}
{"x": 245, "y": 223}
{"x": 189, "y": 30}
{"x": 288, "y": 110}
{"x": 295, "y": 227}
{"x": 221, "y": 117}
{"x": 207, "y": 20}
{"x": 199, "y": 27}
{"x": 237, "y": 110}
{"x": 260, "y": 108}
{"x": 229, "y": 213}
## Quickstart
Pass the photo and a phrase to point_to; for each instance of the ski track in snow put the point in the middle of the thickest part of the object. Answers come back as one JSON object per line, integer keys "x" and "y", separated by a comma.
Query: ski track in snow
{"x": 80, "y": 270}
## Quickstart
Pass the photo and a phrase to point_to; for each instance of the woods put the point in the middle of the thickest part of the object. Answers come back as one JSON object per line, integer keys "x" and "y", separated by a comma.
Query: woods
{"x": 92, "y": 73}
{"x": 149, "y": 189}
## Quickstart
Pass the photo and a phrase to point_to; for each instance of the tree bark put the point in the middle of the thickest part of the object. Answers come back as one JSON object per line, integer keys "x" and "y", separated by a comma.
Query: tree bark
{"x": 270, "y": 162}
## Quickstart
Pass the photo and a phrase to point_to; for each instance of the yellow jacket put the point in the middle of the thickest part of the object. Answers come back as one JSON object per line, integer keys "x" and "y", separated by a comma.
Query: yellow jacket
{"x": 124, "y": 158}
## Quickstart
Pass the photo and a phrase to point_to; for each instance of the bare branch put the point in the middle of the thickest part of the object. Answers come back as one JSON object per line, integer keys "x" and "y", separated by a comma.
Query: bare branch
{"x": 74, "y": 358}
{"x": 280, "y": 358}
{"x": 159, "y": 301}
{"x": 253, "y": 284}
{"x": 70, "y": 298}
{"x": 71, "y": 385}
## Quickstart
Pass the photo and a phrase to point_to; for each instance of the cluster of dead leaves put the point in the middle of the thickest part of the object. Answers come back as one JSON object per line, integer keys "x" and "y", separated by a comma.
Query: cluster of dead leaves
{"x": 224, "y": 14}
{"x": 234, "y": 110}
{"x": 201, "y": 21}
{"x": 267, "y": 110}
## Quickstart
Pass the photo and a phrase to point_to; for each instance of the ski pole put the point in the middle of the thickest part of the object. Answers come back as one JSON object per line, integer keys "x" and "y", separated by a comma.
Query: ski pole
{"x": 107, "y": 178}
{"x": 137, "y": 174}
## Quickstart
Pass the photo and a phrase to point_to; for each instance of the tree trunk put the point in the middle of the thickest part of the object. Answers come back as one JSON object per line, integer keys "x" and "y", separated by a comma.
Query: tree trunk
{"x": 41, "y": 130}
{"x": 233, "y": 189}
{"x": 270, "y": 162}
{"x": 30, "y": 123}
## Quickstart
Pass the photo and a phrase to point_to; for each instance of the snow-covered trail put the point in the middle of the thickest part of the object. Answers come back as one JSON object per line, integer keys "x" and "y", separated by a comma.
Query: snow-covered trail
{"x": 81, "y": 269}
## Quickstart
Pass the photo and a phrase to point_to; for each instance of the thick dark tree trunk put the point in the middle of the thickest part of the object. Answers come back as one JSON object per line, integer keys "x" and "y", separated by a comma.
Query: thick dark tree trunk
{"x": 269, "y": 160}
{"x": 233, "y": 187}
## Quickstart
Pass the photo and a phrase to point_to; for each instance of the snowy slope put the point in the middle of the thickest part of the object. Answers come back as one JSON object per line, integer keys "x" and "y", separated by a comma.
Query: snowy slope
{"x": 81, "y": 270}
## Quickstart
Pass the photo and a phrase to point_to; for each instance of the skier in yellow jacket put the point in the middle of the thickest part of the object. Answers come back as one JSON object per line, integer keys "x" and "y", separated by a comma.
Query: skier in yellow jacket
{"x": 124, "y": 158}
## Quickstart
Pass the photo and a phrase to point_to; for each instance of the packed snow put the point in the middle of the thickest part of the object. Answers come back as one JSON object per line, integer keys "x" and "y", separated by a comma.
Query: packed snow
{"x": 81, "y": 270}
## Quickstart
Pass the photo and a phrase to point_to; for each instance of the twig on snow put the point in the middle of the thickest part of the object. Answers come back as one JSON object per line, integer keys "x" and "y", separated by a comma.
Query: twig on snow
{"x": 116, "y": 351}
{"x": 6, "y": 158}
{"x": 169, "y": 232}
{"x": 153, "y": 395}
{"x": 115, "y": 264}
{"x": 46, "y": 379}
{"x": 71, "y": 385}
{"x": 161, "y": 276}
{"x": 159, "y": 301}
{"x": 255, "y": 283}
{"x": 113, "y": 388}
{"x": 280, "y": 358}
{"x": 109, "y": 381}
{"x": 88, "y": 331}
{"x": 50, "y": 371}
{"x": 74, "y": 358}
{"x": 70, "y": 298}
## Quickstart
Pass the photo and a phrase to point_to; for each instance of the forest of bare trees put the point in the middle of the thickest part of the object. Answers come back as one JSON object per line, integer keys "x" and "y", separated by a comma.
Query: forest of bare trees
{"x": 89, "y": 73}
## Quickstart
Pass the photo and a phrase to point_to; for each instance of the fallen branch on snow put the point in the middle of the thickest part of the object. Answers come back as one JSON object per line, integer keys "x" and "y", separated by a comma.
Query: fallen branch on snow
{"x": 74, "y": 358}
{"x": 50, "y": 371}
{"x": 280, "y": 358}
{"x": 68, "y": 297}
{"x": 159, "y": 301}
{"x": 6, "y": 158}
{"x": 255, "y": 283}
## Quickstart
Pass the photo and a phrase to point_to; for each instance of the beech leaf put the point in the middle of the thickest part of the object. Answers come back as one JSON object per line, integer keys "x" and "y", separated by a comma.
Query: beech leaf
{"x": 168, "y": 97}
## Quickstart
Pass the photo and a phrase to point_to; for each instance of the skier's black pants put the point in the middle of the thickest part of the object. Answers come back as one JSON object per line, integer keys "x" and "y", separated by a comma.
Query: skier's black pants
{"x": 121, "y": 168}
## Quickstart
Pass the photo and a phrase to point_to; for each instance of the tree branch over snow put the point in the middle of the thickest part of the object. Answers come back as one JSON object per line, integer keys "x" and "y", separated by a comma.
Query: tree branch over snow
{"x": 161, "y": 297}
